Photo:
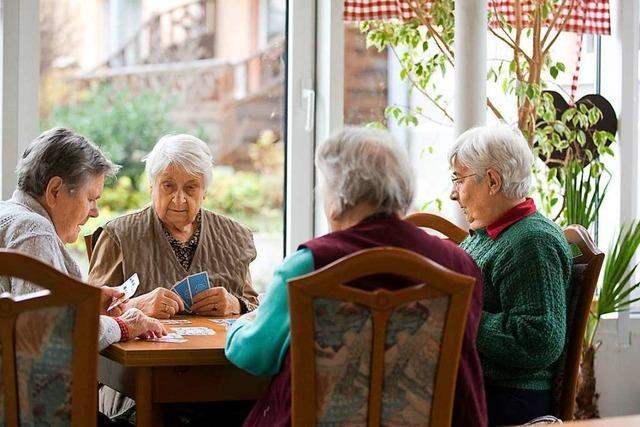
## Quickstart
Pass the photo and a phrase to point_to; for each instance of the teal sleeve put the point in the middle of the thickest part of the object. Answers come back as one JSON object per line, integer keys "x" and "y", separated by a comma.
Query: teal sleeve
{"x": 258, "y": 345}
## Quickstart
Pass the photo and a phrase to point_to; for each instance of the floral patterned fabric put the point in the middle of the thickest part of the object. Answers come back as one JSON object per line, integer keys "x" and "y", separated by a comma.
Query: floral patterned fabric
{"x": 412, "y": 350}
{"x": 343, "y": 362}
{"x": 44, "y": 355}
{"x": 185, "y": 250}
{"x": 343, "y": 341}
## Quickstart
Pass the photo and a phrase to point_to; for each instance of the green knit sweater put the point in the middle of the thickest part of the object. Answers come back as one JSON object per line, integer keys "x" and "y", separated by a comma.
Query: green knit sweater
{"x": 526, "y": 271}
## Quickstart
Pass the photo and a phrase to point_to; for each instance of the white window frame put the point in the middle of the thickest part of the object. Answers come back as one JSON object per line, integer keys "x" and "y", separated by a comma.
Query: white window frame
{"x": 330, "y": 84}
{"x": 627, "y": 18}
{"x": 20, "y": 85}
{"x": 301, "y": 102}
{"x": 20, "y": 82}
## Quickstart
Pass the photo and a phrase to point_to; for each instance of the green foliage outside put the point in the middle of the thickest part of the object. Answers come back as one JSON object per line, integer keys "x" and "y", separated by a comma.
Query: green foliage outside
{"x": 123, "y": 124}
{"x": 126, "y": 126}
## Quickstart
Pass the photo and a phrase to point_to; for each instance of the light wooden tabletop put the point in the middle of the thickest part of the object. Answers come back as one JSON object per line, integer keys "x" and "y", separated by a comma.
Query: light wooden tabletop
{"x": 198, "y": 350}
{"x": 629, "y": 421}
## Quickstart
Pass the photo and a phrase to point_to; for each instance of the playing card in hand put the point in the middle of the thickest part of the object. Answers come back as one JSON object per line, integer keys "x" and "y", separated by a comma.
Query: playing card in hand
{"x": 182, "y": 289}
{"x": 198, "y": 282}
{"x": 129, "y": 288}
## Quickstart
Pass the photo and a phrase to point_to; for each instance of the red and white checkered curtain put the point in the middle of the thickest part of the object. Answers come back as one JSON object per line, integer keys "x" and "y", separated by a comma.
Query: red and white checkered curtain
{"x": 370, "y": 10}
{"x": 585, "y": 16}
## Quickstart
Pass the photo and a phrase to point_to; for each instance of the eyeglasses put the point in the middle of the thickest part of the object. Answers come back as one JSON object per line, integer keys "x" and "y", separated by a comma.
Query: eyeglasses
{"x": 457, "y": 181}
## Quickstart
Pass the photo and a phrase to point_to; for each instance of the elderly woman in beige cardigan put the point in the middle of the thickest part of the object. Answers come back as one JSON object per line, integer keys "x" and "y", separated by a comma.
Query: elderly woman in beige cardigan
{"x": 175, "y": 237}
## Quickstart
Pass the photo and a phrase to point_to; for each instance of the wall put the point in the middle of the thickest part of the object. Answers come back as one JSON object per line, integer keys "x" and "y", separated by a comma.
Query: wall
{"x": 617, "y": 370}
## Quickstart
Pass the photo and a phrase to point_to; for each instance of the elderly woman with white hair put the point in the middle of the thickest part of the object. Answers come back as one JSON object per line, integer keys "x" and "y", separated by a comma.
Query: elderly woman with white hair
{"x": 526, "y": 263}
{"x": 175, "y": 237}
{"x": 367, "y": 186}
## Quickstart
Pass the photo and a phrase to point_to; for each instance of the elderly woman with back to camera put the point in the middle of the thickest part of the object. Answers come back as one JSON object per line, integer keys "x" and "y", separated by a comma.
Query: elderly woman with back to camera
{"x": 526, "y": 263}
{"x": 367, "y": 186}
{"x": 175, "y": 237}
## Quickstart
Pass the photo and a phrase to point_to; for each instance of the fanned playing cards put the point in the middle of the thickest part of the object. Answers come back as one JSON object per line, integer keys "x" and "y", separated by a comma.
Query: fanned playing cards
{"x": 129, "y": 288}
{"x": 191, "y": 286}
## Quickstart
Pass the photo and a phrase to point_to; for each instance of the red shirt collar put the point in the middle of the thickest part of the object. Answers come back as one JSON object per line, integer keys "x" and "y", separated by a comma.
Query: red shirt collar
{"x": 513, "y": 215}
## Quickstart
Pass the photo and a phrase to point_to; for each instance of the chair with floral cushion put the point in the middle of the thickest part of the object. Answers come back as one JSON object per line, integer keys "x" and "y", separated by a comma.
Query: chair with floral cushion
{"x": 49, "y": 347}
{"x": 385, "y": 354}
{"x": 587, "y": 263}
{"x": 439, "y": 224}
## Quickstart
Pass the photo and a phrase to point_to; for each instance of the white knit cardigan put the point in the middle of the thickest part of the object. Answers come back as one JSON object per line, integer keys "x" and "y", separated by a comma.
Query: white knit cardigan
{"x": 25, "y": 226}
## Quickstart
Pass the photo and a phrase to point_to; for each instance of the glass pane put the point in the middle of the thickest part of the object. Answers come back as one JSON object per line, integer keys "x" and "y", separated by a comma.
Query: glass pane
{"x": 126, "y": 72}
{"x": 372, "y": 83}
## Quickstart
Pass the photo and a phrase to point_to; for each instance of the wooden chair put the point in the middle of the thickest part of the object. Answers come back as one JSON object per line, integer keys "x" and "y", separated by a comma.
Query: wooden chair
{"x": 587, "y": 263}
{"x": 90, "y": 241}
{"x": 359, "y": 357}
{"x": 49, "y": 347}
{"x": 439, "y": 224}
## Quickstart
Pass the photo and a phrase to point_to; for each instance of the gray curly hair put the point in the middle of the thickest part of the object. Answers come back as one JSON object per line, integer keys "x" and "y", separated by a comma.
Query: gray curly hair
{"x": 362, "y": 164}
{"x": 64, "y": 153}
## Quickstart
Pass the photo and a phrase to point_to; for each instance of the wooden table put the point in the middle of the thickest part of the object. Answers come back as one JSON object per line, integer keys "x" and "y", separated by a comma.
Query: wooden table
{"x": 629, "y": 421}
{"x": 154, "y": 373}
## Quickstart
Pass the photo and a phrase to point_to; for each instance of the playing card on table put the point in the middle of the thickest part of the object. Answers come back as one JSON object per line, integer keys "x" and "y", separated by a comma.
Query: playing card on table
{"x": 129, "y": 288}
{"x": 197, "y": 330}
{"x": 225, "y": 322}
{"x": 175, "y": 321}
{"x": 198, "y": 282}
{"x": 171, "y": 337}
{"x": 182, "y": 289}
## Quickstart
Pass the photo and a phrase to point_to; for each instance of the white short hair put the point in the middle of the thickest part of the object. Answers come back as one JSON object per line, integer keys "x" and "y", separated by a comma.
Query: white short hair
{"x": 186, "y": 151}
{"x": 501, "y": 148}
{"x": 362, "y": 164}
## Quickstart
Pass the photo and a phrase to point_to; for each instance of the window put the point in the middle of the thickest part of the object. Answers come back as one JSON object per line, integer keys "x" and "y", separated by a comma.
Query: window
{"x": 124, "y": 73}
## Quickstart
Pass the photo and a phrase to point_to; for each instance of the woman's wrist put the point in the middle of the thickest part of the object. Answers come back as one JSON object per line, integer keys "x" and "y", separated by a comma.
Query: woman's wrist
{"x": 124, "y": 329}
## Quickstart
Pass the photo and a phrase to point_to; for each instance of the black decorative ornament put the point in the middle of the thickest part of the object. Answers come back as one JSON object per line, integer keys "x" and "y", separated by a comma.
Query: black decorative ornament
{"x": 608, "y": 122}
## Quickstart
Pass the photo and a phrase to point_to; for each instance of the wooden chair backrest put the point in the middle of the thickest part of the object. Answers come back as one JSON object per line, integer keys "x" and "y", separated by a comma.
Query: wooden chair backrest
{"x": 439, "y": 224}
{"x": 587, "y": 263}
{"x": 90, "y": 241}
{"x": 329, "y": 283}
{"x": 32, "y": 332}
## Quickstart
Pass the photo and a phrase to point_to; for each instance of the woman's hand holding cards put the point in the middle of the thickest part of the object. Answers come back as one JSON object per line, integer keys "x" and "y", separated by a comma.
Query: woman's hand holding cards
{"x": 215, "y": 302}
{"x": 107, "y": 296}
{"x": 160, "y": 303}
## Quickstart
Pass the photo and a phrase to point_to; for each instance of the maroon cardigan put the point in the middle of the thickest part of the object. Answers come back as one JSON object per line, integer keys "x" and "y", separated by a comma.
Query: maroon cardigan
{"x": 469, "y": 410}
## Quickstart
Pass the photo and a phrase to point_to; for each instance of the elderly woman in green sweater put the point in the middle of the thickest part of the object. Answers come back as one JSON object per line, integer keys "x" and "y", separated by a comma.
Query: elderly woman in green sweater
{"x": 526, "y": 263}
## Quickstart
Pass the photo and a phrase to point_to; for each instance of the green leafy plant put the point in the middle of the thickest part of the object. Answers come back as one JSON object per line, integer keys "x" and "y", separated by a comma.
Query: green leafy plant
{"x": 125, "y": 125}
{"x": 424, "y": 47}
{"x": 573, "y": 153}
{"x": 617, "y": 283}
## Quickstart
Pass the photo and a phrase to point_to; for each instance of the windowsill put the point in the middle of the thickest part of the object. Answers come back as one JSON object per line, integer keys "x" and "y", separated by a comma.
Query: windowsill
{"x": 614, "y": 316}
